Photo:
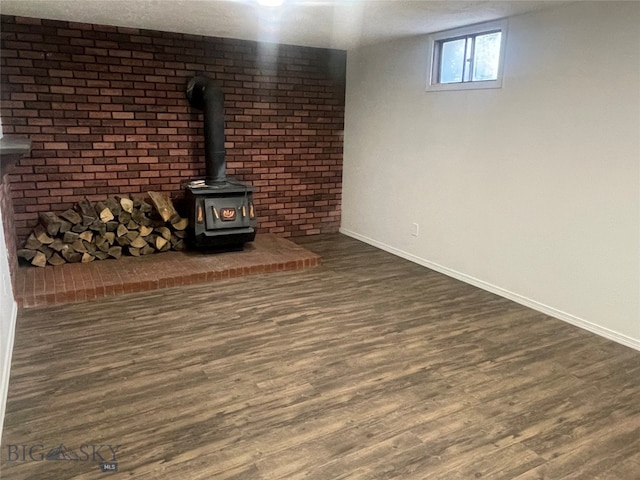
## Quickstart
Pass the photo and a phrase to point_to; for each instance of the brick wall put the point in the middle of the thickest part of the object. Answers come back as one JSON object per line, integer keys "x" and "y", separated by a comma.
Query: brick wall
{"x": 106, "y": 111}
{"x": 6, "y": 210}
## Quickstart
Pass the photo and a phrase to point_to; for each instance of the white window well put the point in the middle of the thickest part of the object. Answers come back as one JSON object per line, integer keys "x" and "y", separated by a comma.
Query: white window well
{"x": 467, "y": 58}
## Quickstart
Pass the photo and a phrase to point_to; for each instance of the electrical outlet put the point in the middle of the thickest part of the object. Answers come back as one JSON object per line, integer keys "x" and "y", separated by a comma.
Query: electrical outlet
{"x": 415, "y": 229}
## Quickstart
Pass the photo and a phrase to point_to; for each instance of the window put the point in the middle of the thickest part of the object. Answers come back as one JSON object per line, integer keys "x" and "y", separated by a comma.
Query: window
{"x": 468, "y": 57}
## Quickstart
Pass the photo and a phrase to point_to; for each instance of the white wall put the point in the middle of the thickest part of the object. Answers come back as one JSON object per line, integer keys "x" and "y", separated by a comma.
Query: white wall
{"x": 8, "y": 314}
{"x": 531, "y": 191}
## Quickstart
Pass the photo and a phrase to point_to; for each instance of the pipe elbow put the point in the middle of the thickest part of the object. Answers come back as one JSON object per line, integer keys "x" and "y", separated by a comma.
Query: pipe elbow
{"x": 202, "y": 90}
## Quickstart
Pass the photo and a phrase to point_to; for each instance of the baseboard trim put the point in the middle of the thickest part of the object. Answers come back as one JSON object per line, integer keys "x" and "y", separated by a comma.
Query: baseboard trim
{"x": 6, "y": 365}
{"x": 527, "y": 302}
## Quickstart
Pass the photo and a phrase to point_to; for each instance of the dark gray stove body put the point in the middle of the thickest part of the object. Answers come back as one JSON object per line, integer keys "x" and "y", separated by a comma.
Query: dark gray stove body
{"x": 221, "y": 215}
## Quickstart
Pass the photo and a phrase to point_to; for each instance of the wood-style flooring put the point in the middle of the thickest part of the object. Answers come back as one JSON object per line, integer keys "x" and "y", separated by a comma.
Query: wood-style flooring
{"x": 367, "y": 367}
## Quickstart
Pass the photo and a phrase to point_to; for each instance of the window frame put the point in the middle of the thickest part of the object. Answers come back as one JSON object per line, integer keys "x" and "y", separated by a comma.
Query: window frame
{"x": 438, "y": 38}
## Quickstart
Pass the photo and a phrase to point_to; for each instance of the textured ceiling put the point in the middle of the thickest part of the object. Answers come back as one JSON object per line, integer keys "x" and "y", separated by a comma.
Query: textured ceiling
{"x": 342, "y": 24}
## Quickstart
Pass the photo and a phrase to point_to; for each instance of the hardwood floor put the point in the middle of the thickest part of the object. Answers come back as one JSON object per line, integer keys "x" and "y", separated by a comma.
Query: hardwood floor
{"x": 367, "y": 367}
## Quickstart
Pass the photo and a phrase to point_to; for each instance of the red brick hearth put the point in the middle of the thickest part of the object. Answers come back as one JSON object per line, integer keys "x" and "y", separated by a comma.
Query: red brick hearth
{"x": 77, "y": 282}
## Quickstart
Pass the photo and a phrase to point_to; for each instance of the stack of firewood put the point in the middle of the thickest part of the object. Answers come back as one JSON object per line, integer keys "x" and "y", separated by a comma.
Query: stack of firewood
{"x": 109, "y": 229}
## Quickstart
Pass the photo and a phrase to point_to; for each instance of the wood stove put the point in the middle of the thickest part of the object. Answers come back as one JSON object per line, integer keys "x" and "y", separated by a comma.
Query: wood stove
{"x": 221, "y": 209}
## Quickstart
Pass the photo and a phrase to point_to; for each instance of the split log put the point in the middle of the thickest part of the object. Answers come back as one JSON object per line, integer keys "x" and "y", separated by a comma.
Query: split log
{"x": 132, "y": 225}
{"x": 41, "y": 235}
{"x": 160, "y": 242}
{"x": 144, "y": 231}
{"x": 99, "y": 226}
{"x": 32, "y": 242}
{"x": 51, "y": 222}
{"x": 114, "y": 205}
{"x": 87, "y": 236}
{"x": 70, "y": 237}
{"x": 140, "y": 218}
{"x": 79, "y": 227}
{"x": 132, "y": 235}
{"x": 57, "y": 244}
{"x": 123, "y": 241}
{"x": 138, "y": 242}
{"x": 115, "y": 252}
{"x": 181, "y": 224}
{"x": 112, "y": 226}
{"x": 100, "y": 255}
{"x": 86, "y": 258}
{"x": 124, "y": 217}
{"x": 71, "y": 216}
{"x": 71, "y": 256}
{"x": 65, "y": 226}
{"x": 39, "y": 260}
{"x": 78, "y": 246}
{"x": 143, "y": 206}
{"x": 164, "y": 205}
{"x": 165, "y": 248}
{"x": 110, "y": 237}
{"x": 178, "y": 223}
{"x": 134, "y": 251}
{"x": 147, "y": 250}
{"x": 104, "y": 212}
{"x": 56, "y": 259}
{"x": 164, "y": 232}
{"x": 27, "y": 253}
{"x": 102, "y": 243}
{"x": 89, "y": 219}
{"x": 106, "y": 215}
{"x": 46, "y": 251}
{"x": 126, "y": 204}
{"x": 85, "y": 208}
{"x": 121, "y": 231}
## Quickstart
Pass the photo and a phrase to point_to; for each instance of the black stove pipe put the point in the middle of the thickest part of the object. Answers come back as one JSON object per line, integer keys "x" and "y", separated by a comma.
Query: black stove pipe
{"x": 205, "y": 95}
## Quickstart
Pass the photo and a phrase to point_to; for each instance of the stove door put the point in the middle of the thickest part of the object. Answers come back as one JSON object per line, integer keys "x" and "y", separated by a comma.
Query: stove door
{"x": 226, "y": 212}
